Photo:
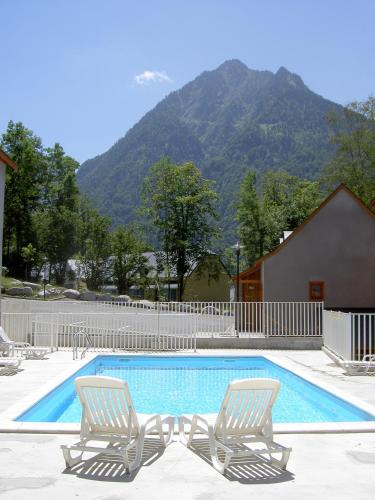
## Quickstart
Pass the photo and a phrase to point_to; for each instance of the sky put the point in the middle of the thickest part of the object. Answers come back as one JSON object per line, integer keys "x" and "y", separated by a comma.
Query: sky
{"x": 82, "y": 72}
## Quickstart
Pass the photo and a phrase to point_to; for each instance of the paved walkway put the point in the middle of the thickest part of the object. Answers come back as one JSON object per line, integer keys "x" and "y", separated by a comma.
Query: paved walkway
{"x": 321, "y": 465}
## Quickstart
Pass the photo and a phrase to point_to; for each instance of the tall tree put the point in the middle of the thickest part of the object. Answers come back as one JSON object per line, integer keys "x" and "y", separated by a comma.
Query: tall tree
{"x": 22, "y": 194}
{"x": 251, "y": 220}
{"x": 287, "y": 202}
{"x": 282, "y": 203}
{"x": 354, "y": 162}
{"x": 180, "y": 203}
{"x": 41, "y": 204}
{"x": 128, "y": 261}
{"x": 94, "y": 245}
{"x": 57, "y": 220}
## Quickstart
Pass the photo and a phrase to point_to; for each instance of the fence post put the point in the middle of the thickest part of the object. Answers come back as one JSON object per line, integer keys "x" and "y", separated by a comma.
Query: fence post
{"x": 236, "y": 318}
{"x": 158, "y": 322}
{"x": 265, "y": 331}
{"x": 350, "y": 330}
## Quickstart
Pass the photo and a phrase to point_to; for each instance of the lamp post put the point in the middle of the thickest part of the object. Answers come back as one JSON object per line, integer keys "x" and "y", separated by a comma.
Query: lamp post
{"x": 237, "y": 248}
{"x": 45, "y": 280}
{"x": 78, "y": 274}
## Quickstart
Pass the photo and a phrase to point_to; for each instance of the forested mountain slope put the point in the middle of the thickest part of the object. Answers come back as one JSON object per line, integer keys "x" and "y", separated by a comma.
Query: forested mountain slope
{"x": 226, "y": 121}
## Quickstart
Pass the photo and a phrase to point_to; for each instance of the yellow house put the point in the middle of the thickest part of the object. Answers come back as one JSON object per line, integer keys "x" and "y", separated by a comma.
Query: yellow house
{"x": 209, "y": 281}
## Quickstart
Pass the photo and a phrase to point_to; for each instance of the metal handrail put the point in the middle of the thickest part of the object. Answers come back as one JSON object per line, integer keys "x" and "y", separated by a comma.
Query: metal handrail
{"x": 88, "y": 343}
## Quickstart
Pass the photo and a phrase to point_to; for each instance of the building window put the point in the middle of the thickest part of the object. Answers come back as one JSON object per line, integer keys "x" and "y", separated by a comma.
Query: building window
{"x": 316, "y": 290}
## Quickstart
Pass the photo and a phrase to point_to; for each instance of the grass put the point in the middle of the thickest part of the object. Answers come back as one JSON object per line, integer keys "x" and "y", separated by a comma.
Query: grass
{"x": 8, "y": 282}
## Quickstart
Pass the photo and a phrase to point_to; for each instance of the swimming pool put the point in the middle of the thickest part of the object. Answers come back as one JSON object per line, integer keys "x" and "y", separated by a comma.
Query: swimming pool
{"x": 196, "y": 384}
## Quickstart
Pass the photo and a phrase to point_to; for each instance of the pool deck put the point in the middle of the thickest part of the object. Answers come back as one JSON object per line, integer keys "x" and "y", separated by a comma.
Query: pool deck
{"x": 321, "y": 465}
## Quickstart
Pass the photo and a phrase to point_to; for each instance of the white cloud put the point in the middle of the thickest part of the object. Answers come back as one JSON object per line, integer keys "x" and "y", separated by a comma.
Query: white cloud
{"x": 152, "y": 77}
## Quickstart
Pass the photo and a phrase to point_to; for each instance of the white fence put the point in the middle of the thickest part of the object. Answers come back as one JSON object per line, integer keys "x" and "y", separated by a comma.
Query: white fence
{"x": 337, "y": 333}
{"x": 115, "y": 331}
{"x": 155, "y": 326}
{"x": 349, "y": 335}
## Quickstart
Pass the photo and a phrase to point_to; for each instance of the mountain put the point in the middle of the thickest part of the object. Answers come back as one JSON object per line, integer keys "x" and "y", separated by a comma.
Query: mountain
{"x": 226, "y": 121}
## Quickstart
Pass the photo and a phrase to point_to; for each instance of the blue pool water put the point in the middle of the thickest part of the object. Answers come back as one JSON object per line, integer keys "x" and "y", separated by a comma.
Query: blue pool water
{"x": 178, "y": 385}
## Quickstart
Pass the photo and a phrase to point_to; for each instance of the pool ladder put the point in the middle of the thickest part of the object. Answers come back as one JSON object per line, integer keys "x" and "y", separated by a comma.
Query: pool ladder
{"x": 87, "y": 343}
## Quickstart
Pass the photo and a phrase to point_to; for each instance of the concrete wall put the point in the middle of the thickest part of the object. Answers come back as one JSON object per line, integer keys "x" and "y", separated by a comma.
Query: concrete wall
{"x": 338, "y": 247}
{"x": 287, "y": 343}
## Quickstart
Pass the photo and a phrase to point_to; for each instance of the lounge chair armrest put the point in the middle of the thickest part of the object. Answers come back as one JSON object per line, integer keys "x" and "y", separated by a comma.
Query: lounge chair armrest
{"x": 196, "y": 418}
{"x": 199, "y": 418}
{"x": 197, "y": 423}
{"x": 21, "y": 344}
{"x": 147, "y": 419}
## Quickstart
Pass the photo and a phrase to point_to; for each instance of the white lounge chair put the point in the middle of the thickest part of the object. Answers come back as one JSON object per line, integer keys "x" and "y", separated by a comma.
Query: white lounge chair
{"x": 22, "y": 348}
{"x": 9, "y": 366}
{"x": 364, "y": 367}
{"x": 108, "y": 415}
{"x": 245, "y": 417}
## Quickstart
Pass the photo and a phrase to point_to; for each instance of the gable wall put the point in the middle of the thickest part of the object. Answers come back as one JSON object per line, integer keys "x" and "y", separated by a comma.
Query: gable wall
{"x": 337, "y": 246}
{"x": 200, "y": 286}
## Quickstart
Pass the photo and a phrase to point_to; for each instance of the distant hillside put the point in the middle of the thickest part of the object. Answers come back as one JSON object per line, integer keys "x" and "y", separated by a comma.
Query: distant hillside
{"x": 227, "y": 121}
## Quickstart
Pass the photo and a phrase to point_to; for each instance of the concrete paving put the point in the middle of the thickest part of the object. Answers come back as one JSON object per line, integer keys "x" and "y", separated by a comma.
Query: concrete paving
{"x": 321, "y": 465}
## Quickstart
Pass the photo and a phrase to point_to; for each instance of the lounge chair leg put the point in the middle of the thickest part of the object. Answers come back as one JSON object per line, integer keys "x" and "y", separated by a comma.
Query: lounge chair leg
{"x": 69, "y": 460}
{"x": 166, "y": 439}
{"x": 216, "y": 462}
{"x": 183, "y": 436}
{"x": 138, "y": 451}
{"x": 282, "y": 463}
{"x": 181, "y": 431}
{"x": 125, "y": 459}
{"x": 169, "y": 437}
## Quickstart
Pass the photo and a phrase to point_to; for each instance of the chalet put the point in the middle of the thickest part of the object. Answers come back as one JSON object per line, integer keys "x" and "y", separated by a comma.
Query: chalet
{"x": 330, "y": 257}
{"x": 207, "y": 281}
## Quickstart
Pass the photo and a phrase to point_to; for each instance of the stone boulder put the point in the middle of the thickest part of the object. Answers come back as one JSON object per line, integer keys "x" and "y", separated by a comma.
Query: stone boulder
{"x": 25, "y": 291}
{"x": 33, "y": 286}
{"x": 88, "y": 296}
{"x": 122, "y": 298}
{"x": 71, "y": 294}
{"x": 109, "y": 289}
{"x": 105, "y": 297}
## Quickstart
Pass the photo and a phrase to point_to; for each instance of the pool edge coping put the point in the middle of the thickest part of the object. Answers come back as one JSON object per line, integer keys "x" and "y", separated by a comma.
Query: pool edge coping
{"x": 9, "y": 425}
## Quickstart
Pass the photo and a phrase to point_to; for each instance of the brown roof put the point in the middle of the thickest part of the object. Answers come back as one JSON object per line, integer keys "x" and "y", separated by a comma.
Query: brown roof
{"x": 341, "y": 187}
{"x": 4, "y": 158}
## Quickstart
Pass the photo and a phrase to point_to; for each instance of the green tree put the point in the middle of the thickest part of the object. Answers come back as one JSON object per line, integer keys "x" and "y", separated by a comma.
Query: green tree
{"x": 287, "y": 202}
{"x": 354, "y": 162}
{"x": 128, "y": 261}
{"x": 94, "y": 245}
{"x": 283, "y": 203}
{"x": 30, "y": 257}
{"x": 180, "y": 203}
{"x": 57, "y": 221}
{"x": 22, "y": 194}
{"x": 251, "y": 220}
{"x": 41, "y": 203}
